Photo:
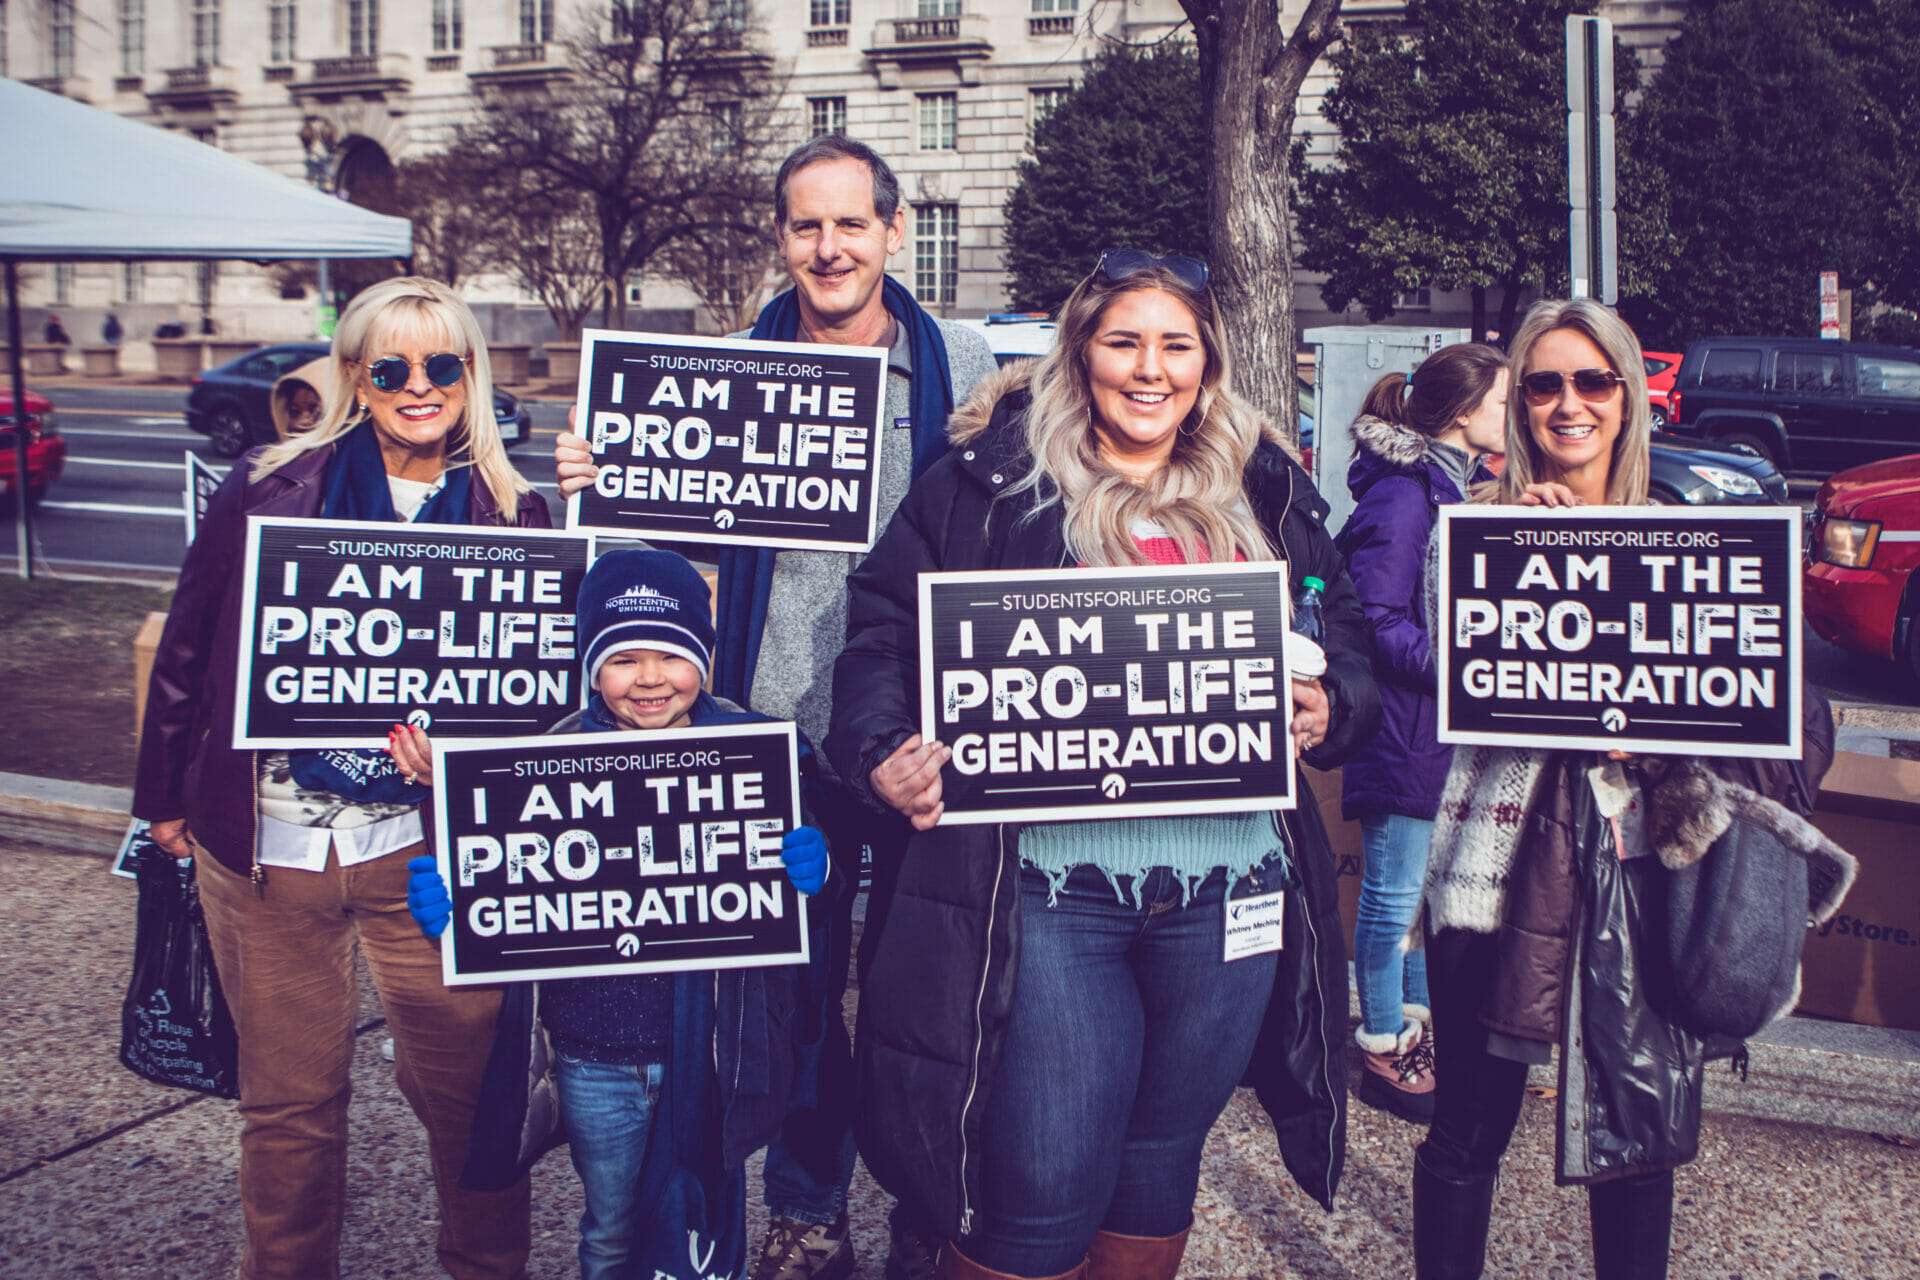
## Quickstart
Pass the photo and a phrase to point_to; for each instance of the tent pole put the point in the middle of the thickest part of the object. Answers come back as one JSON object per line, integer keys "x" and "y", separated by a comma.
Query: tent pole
{"x": 16, "y": 356}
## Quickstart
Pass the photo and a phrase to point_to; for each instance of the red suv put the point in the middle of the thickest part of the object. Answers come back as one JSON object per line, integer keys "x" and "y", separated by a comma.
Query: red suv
{"x": 46, "y": 451}
{"x": 1863, "y": 546}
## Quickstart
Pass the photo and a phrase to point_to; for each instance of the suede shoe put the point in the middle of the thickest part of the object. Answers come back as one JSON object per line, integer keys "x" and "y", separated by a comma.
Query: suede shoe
{"x": 1396, "y": 1072}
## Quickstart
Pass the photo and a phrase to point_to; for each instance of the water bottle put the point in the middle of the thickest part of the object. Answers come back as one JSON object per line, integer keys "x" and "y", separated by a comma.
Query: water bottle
{"x": 1308, "y": 618}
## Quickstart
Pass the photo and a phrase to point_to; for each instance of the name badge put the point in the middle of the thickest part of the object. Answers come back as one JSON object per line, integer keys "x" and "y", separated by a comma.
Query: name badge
{"x": 1255, "y": 924}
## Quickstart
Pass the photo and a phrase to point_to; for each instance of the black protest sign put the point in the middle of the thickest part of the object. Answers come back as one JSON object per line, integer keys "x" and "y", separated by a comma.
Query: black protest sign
{"x": 771, "y": 444}
{"x": 1642, "y": 629}
{"x": 1108, "y": 693}
{"x": 580, "y": 855}
{"x": 135, "y": 839}
{"x": 202, "y": 480}
{"x": 348, "y": 628}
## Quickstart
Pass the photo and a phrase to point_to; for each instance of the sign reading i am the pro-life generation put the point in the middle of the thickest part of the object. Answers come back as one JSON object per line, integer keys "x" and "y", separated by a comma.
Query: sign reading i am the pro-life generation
{"x": 740, "y": 442}
{"x": 584, "y": 854}
{"x": 1658, "y": 630}
{"x": 348, "y": 628}
{"x": 1108, "y": 693}
{"x": 202, "y": 483}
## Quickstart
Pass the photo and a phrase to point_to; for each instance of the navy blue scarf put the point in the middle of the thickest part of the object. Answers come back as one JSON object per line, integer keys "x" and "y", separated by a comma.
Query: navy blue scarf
{"x": 357, "y": 489}
{"x": 746, "y": 573}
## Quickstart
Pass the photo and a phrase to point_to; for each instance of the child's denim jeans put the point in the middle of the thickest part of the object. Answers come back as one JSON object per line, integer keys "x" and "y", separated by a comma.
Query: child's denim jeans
{"x": 607, "y": 1109}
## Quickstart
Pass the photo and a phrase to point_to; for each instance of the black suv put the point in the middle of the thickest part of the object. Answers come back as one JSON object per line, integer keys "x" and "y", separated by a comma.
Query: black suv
{"x": 1807, "y": 405}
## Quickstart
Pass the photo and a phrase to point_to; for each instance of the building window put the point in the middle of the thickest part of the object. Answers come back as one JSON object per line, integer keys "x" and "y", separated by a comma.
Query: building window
{"x": 1056, "y": 6}
{"x": 536, "y": 21}
{"x": 1041, "y": 103}
{"x": 826, "y": 115}
{"x": 938, "y": 111}
{"x": 281, "y": 21}
{"x": 1413, "y": 300}
{"x": 731, "y": 15}
{"x": 3, "y": 38}
{"x": 831, "y": 13}
{"x": 133, "y": 37}
{"x": 726, "y": 127}
{"x": 363, "y": 28}
{"x": 60, "y": 38}
{"x": 449, "y": 26}
{"x": 939, "y": 8}
{"x": 936, "y": 253}
{"x": 63, "y": 284}
{"x": 133, "y": 282}
{"x": 205, "y": 23}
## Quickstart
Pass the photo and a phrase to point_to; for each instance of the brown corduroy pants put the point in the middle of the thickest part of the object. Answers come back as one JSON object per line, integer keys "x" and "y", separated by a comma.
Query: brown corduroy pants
{"x": 286, "y": 965}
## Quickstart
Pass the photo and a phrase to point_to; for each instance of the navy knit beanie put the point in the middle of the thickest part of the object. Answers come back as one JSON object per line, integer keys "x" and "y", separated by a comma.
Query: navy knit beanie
{"x": 634, "y": 599}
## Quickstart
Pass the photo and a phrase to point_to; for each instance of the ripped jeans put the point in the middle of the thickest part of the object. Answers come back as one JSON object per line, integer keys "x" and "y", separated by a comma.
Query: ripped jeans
{"x": 1128, "y": 1035}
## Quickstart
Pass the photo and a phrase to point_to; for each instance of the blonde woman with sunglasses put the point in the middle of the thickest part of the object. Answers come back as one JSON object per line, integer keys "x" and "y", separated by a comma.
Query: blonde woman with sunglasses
{"x": 1523, "y": 877}
{"x": 301, "y": 857}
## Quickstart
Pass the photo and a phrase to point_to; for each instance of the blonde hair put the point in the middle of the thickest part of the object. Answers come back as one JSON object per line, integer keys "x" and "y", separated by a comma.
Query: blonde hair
{"x": 1199, "y": 497}
{"x": 1631, "y": 463}
{"x": 402, "y": 310}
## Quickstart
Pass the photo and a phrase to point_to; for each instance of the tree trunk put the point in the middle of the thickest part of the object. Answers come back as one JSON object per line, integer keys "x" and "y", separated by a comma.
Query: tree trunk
{"x": 1479, "y": 313}
{"x": 1250, "y": 78}
{"x": 1509, "y": 309}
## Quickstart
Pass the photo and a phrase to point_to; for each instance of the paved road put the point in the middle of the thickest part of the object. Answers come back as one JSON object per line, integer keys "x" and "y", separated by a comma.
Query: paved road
{"x": 118, "y": 507}
{"x": 117, "y": 510}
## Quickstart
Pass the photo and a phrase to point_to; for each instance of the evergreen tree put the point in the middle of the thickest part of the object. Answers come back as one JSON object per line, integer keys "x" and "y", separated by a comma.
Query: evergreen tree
{"x": 1772, "y": 119}
{"x": 1451, "y": 169}
{"x": 1122, "y": 160}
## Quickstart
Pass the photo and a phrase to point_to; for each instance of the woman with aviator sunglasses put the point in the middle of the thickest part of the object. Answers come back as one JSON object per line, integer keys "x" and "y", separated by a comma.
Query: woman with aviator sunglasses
{"x": 301, "y": 857}
{"x": 1049, "y": 1027}
{"x": 1533, "y": 903}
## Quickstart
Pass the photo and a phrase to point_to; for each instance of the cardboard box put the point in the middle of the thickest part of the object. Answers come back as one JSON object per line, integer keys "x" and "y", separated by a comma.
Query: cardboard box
{"x": 1348, "y": 857}
{"x": 1864, "y": 964}
{"x": 144, "y": 643}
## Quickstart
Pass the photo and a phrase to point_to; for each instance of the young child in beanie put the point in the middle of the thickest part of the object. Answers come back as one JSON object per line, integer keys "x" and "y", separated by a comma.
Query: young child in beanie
{"x": 660, "y": 1111}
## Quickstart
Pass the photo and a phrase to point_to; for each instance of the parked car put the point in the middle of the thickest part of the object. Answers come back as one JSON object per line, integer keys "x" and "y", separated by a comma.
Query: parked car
{"x": 1691, "y": 474}
{"x": 1661, "y": 368}
{"x": 1807, "y": 405}
{"x": 1863, "y": 547}
{"x": 46, "y": 449}
{"x": 229, "y": 404}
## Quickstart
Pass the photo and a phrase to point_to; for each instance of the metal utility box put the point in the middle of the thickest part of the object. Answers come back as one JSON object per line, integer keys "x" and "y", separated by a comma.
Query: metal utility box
{"x": 1349, "y": 359}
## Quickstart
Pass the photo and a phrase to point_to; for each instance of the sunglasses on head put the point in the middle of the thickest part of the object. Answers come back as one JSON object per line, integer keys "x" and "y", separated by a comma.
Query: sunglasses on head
{"x": 1117, "y": 265}
{"x": 1592, "y": 385}
{"x": 392, "y": 373}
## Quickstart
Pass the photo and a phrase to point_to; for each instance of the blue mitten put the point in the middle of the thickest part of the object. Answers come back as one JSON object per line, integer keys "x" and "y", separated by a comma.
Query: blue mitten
{"x": 427, "y": 900}
{"x": 804, "y": 850}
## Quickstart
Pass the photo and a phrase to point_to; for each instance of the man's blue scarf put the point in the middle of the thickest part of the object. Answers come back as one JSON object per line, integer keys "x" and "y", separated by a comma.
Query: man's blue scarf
{"x": 357, "y": 489}
{"x": 746, "y": 573}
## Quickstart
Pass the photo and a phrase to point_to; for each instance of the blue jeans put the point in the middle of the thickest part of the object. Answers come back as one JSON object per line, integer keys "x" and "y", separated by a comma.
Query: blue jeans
{"x": 607, "y": 1109}
{"x": 793, "y": 1192}
{"x": 1128, "y": 1035}
{"x": 1387, "y": 973}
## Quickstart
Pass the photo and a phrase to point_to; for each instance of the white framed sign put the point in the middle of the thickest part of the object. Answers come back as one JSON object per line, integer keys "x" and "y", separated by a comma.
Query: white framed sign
{"x": 731, "y": 442}
{"x": 1108, "y": 693}
{"x": 1662, "y": 630}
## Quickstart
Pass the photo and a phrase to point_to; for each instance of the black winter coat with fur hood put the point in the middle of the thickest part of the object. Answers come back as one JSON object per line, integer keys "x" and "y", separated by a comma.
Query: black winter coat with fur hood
{"x": 935, "y": 1003}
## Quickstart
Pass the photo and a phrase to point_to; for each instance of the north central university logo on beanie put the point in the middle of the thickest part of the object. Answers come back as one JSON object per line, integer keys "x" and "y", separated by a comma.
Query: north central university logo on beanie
{"x": 634, "y": 599}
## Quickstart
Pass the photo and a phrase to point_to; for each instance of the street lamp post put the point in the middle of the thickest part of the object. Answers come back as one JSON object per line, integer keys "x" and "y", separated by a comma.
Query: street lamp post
{"x": 317, "y": 139}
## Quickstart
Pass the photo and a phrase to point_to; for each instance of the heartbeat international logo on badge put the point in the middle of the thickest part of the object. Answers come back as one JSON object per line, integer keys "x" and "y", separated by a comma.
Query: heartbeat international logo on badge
{"x": 1108, "y": 693}
{"x": 730, "y": 442}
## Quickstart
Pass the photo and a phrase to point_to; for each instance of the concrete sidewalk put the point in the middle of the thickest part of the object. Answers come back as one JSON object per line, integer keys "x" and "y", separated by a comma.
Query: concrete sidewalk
{"x": 102, "y": 1174}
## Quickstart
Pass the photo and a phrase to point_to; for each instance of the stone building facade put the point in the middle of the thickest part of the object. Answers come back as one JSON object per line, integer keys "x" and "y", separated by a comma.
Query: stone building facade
{"x": 947, "y": 89}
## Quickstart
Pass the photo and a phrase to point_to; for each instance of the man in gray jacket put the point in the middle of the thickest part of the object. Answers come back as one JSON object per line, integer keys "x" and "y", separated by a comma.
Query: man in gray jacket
{"x": 838, "y": 219}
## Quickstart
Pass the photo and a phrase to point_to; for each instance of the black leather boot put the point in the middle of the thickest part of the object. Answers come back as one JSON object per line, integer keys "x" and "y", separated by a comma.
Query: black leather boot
{"x": 1450, "y": 1218}
{"x": 1632, "y": 1227}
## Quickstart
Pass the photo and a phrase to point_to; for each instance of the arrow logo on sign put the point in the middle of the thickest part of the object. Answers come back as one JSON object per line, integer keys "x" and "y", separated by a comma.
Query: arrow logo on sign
{"x": 723, "y": 519}
{"x": 1113, "y": 786}
{"x": 1613, "y": 719}
{"x": 627, "y": 945}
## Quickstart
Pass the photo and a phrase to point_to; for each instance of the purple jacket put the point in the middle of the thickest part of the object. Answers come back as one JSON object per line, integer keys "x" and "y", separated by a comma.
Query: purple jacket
{"x": 1398, "y": 490}
{"x": 186, "y": 767}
